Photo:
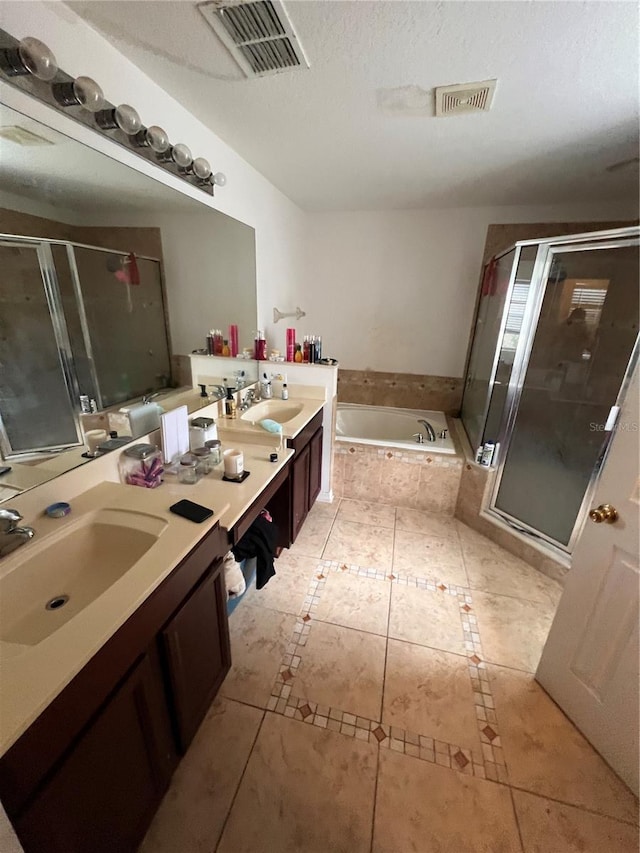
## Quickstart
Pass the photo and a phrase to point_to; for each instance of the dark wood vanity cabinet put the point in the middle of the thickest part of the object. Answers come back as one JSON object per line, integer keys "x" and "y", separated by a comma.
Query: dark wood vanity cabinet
{"x": 197, "y": 655}
{"x": 106, "y": 790}
{"x": 306, "y": 472}
{"x": 89, "y": 773}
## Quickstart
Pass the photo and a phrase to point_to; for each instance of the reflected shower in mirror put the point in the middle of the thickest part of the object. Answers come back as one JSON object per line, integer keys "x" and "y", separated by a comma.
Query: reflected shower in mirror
{"x": 109, "y": 279}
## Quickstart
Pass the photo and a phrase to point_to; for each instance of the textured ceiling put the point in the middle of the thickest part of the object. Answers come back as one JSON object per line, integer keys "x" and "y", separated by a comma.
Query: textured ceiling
{"x": 565, "y": 108}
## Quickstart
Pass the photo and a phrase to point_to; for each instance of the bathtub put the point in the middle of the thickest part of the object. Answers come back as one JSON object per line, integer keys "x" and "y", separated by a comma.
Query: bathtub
{"x": 386, "y": 427}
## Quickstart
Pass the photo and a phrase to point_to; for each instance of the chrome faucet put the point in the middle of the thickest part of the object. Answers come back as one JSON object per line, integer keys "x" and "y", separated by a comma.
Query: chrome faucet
{"x": 248, "y": 400}
{"x": 12, "y": 537}
{"x": 431, "y": 434}
{"x": 220, "y": 392}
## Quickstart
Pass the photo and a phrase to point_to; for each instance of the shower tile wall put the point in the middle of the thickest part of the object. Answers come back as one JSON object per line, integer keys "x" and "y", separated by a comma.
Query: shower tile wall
{"x": 400, "y": 390}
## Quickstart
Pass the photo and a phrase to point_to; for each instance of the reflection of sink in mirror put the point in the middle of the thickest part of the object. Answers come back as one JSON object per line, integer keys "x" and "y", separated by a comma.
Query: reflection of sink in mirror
{"x": 70, "y": 570}
{"x": 280, "y": 412}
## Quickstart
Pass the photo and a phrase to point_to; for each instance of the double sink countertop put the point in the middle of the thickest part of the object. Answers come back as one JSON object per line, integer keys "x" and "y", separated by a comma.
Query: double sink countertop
{"x": 37, "y": 660}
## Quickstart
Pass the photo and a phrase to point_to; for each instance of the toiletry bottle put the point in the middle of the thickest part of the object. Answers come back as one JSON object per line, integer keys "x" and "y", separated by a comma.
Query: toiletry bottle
{"x": 291, "y": 344}
{"x": 225, "y": 348}
{"x": 298, "y": 356}
{"x": 260, "y": 353}
{"x": 285, "y": 392}
{"x": 487, "y": 453}
{"x": 265, "y": 389}
{"x": 233, "y": 340}
{"x": 230, "y": 409}
{"x": 319, "y": 348}
{"x": 306, "y": 346}
{"x": 210, "y": 343}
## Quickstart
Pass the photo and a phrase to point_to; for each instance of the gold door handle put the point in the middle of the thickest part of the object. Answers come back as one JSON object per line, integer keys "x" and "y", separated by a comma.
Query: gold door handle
{"x": 605, "y": 512}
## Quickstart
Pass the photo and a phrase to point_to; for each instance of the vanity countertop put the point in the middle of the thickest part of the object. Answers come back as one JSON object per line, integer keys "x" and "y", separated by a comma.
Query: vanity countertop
{"x": 31, "y": 676}
{"x": 248, "y": 431}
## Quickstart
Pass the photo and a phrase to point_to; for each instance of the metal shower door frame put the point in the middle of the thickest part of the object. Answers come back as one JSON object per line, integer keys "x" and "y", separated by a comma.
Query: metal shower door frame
{"x": 63, "y": 345}
{"x": 539, "y": 280}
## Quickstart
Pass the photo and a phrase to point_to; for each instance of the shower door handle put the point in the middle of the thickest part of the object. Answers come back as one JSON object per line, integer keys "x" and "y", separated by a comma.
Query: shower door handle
{"x": 605, "y": 512}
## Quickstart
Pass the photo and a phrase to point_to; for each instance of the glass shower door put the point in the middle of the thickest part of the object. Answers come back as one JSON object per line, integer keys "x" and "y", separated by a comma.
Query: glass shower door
{"x": 584, "y": 341}
{"x": 36, "y": 376}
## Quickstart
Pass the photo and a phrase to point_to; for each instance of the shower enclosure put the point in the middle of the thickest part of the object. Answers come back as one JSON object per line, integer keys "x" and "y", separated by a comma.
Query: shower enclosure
{"x": 554, "y": 345}
{"x": 75, "y": 321}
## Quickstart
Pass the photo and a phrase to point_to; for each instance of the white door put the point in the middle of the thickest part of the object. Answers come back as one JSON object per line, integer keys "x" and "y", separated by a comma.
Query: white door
{"x": 589, "y": 664}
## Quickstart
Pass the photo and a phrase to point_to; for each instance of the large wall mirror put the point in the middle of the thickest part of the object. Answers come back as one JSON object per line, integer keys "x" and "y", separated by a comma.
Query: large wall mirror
{"x": 108, "y": 280}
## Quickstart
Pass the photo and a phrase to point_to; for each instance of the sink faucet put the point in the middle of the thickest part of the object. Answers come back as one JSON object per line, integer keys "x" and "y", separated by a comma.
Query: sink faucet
{"x": 12, "y": 537}
{"x": 248, "y": 400}
{"x": 147, "y": 398}
{"x": 431, "y": 434}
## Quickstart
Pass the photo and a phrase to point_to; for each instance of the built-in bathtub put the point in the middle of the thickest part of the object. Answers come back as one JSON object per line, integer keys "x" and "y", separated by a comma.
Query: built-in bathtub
{"x": 382, "y": 426}
{"x": 376, "y": 458}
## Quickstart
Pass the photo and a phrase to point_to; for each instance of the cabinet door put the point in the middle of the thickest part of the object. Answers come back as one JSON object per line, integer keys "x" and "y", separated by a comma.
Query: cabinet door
{"x": 105, "y": 792}
{"x": 196, "y": 644}
{"x": 315, "y": 466}
{"x": 300, "y": 490}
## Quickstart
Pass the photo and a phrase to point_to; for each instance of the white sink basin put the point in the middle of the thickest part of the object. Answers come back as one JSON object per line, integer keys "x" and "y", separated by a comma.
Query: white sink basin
{"x": 54, "y": 580}
{"x": 280, "y": 411}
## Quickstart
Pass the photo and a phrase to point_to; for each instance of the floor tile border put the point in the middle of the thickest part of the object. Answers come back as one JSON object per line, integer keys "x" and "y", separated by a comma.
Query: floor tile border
{"x": 489, "y": 764}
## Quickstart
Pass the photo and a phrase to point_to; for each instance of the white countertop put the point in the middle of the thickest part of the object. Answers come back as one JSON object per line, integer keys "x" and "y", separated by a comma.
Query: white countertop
{"x": 32, "y": 676}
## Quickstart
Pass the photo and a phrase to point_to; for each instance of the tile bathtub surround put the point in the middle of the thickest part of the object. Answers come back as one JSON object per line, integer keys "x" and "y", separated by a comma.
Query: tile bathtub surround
{"x": 384, "y": 723}
{"x": 427, "y": 482}
{"x": 400, "y": 390}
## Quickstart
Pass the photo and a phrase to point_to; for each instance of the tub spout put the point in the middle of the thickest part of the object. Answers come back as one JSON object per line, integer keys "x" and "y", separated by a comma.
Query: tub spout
{"x": 431, "y": 434}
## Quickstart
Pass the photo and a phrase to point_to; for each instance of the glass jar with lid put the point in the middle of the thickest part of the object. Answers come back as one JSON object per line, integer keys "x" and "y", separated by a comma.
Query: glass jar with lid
{"x": 203, "y": 457}
{"x": 141, "y": 465}
{"x": 188, "y": 470}
{"x": 215, "y": 446}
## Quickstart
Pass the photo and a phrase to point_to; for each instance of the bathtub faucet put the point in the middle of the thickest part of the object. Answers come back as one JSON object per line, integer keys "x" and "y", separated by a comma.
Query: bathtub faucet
{"x": 431, "y": 434}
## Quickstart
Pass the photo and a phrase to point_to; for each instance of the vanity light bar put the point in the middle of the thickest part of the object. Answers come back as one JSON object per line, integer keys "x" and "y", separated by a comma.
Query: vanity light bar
{"x": 30, "y": 65}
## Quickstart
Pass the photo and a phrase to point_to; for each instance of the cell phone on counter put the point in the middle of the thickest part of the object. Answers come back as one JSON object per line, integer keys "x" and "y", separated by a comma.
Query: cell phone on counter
{"x": 193, "y": 511}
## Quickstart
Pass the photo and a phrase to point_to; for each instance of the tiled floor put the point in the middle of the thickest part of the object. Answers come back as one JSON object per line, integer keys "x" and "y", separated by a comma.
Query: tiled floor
{"x": 382, "y": 700}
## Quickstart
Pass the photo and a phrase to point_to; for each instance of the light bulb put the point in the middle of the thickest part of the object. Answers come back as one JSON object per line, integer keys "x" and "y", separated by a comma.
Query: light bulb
{"x": 82, "y": 91}
{"x": 88, "y": 94}
{"x": 127, "y": 119}
{"x": 219, "y": 179}
{"x": 123, "y": 117}
{"x": 31, "y": 56}
{"x": 181, "y": 155}
{"x": 37, "y": 58}
{"x": 201, "y": 168}
{"x": 157, "y": 139}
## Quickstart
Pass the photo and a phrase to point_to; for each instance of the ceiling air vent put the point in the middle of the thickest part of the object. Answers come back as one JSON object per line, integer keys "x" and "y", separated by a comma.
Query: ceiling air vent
{"x": 465, "y": 98}
{"x": 259, "y": 35}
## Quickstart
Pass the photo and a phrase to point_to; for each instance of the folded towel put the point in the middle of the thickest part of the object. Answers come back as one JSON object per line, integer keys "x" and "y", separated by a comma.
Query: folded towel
{"x": 233, "y": 577}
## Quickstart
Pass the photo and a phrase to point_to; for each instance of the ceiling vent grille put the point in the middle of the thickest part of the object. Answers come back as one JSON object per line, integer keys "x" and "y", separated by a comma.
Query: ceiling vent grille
{"x": 259, "y": 35}
{"x": 465, "y": 98}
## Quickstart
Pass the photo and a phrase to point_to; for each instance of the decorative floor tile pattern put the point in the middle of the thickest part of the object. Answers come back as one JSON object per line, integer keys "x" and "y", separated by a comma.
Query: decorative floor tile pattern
{"x": 487, "y": 764}
{"x": 505, "y": 711}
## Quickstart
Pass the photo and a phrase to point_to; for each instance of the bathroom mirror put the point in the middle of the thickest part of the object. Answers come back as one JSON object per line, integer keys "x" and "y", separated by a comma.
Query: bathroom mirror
{"x": 108, "y": 280}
